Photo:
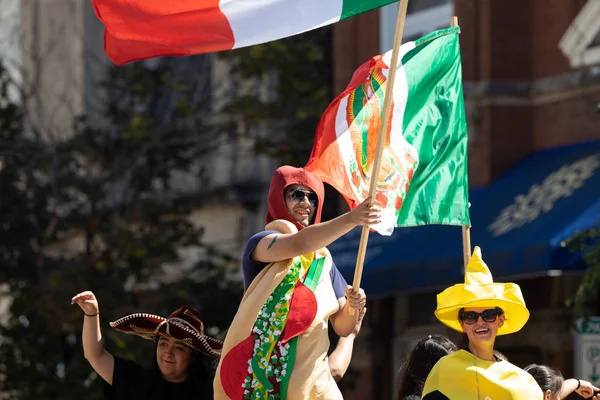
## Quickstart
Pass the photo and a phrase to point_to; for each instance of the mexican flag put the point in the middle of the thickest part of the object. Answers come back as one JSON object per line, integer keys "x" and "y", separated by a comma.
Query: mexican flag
{"x": 423, "y": 174}
{"x": 141, "y": 29}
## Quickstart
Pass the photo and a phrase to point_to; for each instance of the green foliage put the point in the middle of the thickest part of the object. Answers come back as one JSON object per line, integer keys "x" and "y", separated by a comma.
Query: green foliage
{"x": 97, "y": 210}
{"x": 586, "y": 300}
{"x": 298, "y": 70}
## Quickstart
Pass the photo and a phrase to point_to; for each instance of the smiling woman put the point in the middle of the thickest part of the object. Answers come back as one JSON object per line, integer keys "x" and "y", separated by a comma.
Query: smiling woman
{"x": 179, "y": 367}
{"x": 482, "y": 309}
{"x": 174, "y": 358}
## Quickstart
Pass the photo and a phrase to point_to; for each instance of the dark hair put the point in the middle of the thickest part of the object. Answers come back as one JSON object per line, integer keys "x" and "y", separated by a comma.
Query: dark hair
{"x": 419, "y": 362}
{"x": 201, "y": 373}
{"x": 547, "y": 378}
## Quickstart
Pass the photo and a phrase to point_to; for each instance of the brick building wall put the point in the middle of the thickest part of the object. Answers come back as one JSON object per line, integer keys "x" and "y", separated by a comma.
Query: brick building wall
{"x": 523, "y": 93}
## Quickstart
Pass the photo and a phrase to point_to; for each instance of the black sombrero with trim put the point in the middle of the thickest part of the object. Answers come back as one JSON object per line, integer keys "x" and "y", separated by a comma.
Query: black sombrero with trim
{"x": 183, "y": 324}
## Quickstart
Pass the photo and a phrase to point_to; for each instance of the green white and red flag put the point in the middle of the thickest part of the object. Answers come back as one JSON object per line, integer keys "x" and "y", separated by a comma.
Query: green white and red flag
{"x": 423, "y": 175}
{"x": 141, "y": 29}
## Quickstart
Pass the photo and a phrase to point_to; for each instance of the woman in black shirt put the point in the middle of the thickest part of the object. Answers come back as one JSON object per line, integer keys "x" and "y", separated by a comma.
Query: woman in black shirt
{"x": 180, "y": 365}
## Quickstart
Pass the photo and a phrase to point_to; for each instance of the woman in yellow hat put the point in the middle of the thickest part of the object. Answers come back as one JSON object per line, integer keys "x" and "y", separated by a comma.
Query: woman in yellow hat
{"x": 482, "y": 309}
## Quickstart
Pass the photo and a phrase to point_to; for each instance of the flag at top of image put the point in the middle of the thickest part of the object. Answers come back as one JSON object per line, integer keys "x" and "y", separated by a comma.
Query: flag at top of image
{"x": 423, "y": 175}
{"x": 141, "y": 29}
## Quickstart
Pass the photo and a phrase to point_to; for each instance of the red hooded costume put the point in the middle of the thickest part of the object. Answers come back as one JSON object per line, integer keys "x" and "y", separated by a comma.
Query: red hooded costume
{"x": 284, "y": 177}
{"x": 265, "y": 323}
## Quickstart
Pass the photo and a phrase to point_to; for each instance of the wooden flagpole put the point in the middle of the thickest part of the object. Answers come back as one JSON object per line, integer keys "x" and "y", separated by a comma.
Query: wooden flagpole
{"x": 454, "y": 21}
{"x": 466, "y": 230}
{"x": 387, "y": 106}
{"x": 466, "y": 240}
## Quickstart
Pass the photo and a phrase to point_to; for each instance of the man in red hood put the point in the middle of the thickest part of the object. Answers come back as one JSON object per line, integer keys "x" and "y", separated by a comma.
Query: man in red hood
{"x": 293, "y": 290}
{"x": 297, "y": 196}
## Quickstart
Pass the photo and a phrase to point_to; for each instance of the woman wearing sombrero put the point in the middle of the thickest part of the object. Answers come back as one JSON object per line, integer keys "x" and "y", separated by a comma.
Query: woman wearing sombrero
{"x": 482, "y": 309}
{"x": 179, "y": 369}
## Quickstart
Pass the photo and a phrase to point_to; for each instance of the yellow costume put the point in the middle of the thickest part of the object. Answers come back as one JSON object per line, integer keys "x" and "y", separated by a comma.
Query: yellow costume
{"x": 461, "y": 375}
{"x": 457, "y": 376}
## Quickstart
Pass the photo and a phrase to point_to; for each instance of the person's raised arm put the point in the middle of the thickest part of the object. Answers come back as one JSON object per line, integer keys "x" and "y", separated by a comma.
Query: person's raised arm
{"x": 583, "y": 388}
{"x": 93, "y": 349}
{"x": 277, "y": 247}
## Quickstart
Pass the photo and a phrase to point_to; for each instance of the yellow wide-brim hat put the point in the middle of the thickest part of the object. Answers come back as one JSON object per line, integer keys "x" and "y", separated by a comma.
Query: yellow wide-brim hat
{"x": 480, "y": 291}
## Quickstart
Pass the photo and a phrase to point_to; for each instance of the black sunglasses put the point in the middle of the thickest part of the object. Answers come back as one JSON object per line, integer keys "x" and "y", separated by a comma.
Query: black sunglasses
{"x": 471, "y": 317}
{"x": 298, "y": 195}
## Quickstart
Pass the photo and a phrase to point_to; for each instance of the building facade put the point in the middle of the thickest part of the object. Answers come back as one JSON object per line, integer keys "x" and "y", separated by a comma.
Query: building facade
{"x": 531, "y": 72}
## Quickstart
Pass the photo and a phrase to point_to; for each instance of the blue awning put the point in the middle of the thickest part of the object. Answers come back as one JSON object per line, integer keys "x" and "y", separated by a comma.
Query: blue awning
{"x": 519, "y": 221}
